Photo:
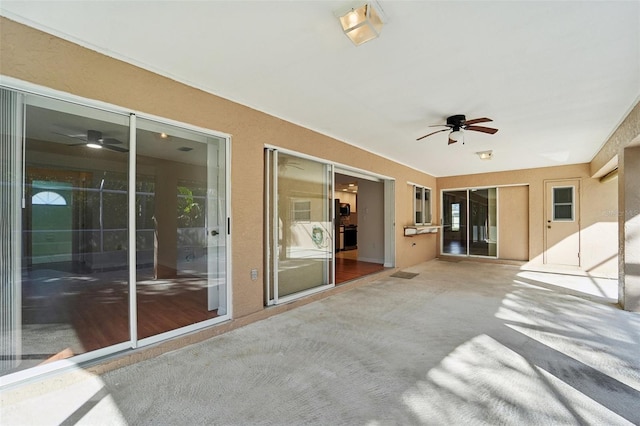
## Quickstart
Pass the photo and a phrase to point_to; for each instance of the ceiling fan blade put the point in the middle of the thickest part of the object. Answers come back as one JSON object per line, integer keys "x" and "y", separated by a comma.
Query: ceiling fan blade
{"x": 115, "y": 148}
{"x": 79, "y": 136}
{"x": 477, "y": 120}
{"x": 441, "y": 125}
{"x": 111, "y": 141}
{"x": 451, "y": 141}
{"x": 433, "y": 133}
{"x": 482, "y": 129}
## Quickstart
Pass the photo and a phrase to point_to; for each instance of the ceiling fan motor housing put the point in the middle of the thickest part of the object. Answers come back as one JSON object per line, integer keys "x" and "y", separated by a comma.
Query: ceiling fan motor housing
{"x": 94, "y": 136}
{"x": 456, "y": 121}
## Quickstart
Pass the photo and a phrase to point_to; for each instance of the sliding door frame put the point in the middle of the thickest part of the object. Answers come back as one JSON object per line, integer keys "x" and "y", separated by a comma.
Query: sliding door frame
{"x": 272, "y": 228}
{"x": 468, "y": 227}
{"x": 25, "y": 88}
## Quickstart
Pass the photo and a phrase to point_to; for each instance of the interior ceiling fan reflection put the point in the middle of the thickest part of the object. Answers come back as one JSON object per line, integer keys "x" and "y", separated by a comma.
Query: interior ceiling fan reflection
{"x": 457, "y": 123}
{"x": 94, "y": 139}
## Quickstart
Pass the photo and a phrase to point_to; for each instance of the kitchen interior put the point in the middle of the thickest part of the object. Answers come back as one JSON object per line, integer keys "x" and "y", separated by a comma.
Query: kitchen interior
{"x": 348, "y": 267}
{"x": 347, "y": 219}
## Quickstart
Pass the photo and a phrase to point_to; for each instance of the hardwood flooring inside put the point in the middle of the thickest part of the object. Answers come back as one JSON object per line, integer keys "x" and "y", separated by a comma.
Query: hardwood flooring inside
{"x": 79, "y": 313}
{"x": 348, "y": 267}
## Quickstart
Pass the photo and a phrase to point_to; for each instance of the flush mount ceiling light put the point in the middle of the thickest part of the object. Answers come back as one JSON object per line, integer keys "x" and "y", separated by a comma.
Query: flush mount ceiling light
{"x": 485, "y": 155}
{"x": 361, "y": 23}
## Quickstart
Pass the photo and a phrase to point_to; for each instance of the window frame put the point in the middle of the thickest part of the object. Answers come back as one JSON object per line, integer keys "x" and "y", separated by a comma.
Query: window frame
{"x": 425, "y": 205}
{"x": 572, "y": 203}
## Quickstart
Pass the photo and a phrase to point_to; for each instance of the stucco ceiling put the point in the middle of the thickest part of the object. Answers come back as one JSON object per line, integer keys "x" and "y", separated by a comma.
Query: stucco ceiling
{"x": 556, "y": 77}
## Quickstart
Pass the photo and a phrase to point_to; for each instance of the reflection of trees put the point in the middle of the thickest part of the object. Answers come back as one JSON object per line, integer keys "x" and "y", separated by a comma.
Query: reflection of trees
{"x": 190, "y": 209}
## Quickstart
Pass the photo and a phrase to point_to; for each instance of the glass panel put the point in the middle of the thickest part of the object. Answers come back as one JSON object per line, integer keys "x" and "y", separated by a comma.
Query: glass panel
{"x": 74, "y": 283}
{"x": 454, "y": 230}
{"x": 562, "y": 212}
{"x": 418, "y": 204}
{"x": 427, "y": 206}
{"x": 181, "y": 234}
{"x": 304, "y": 247}
{"x": 483, "y": 229}
{"x": 563, "y": 195}
{"x": 563, "y": 203}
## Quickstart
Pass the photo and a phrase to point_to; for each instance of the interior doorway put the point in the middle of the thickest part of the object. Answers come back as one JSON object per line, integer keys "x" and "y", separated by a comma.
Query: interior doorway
{"x": 359, "y": 225}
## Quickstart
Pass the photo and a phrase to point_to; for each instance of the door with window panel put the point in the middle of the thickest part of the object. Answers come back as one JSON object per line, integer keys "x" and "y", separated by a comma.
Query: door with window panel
{"x": 562, "y": 225}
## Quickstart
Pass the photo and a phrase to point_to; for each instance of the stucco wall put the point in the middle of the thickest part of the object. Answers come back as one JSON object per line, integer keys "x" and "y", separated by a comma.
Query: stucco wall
{"x": 598, "y": 202}
{"x": 36, "y": 57}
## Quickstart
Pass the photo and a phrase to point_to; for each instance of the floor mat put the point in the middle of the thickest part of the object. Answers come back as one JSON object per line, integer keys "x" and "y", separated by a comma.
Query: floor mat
{"x": 402, "y": 274}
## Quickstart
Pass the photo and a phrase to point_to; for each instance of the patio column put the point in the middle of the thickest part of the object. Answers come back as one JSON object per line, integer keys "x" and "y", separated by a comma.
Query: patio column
{"x": 629, "y": 228}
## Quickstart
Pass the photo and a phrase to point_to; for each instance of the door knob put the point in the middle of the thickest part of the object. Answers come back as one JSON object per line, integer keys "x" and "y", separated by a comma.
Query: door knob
{"x": 549, "y": 226}
{"x": 214, "y": 233}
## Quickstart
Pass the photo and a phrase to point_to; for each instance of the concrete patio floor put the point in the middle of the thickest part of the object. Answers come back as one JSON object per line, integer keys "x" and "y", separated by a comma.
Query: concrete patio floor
{"x": 461, "y": 343}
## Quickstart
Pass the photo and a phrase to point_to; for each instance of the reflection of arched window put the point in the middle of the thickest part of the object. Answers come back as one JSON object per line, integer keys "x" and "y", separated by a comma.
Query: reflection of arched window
{"x": 48, "y": 198}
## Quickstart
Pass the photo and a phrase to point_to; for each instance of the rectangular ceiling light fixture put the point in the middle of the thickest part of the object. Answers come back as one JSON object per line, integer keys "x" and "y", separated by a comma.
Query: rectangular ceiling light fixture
{"x": 485, "y": 155}
{"x": 361, "y": 24}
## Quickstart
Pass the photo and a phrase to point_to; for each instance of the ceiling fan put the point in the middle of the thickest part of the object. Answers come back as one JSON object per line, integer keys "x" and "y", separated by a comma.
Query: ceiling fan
{"x": 94, "y": 139}
{"x": 457, "y": 123}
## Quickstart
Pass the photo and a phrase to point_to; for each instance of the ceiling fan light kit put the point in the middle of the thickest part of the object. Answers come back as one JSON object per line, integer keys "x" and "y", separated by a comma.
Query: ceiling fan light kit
{"x": 94, "y": 139}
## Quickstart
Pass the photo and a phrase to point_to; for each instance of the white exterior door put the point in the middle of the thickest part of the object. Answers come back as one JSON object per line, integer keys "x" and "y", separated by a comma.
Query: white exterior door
{"x": 562, "y": 223}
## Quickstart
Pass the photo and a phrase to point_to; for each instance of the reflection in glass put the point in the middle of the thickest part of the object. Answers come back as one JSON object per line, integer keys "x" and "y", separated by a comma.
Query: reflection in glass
{"x": 454, "y": 218}
{"x": 483, "y": 237}
{"x": 73, "y": 289}
{"x": 470, "y": 222}
{"x": 181, "y": 216}
{"x": 305, "y": 229}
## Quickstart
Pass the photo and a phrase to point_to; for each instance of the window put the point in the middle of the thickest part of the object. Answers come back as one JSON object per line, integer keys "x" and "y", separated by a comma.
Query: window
{"x": 455, "y": 217}
{"x": 301, "y": 211}
{"x": 422, "y": 205}
{"x": 563, "y": 203}
{"x": 48, "y": 198}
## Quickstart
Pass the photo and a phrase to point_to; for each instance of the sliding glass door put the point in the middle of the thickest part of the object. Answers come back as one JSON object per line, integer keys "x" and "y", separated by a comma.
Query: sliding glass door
{"x": 470, "y": 222}
{"x": 113, "y": 231}
{"x": 181, "y": 220}
{"x": 454, "y": 222}
{"x": 299, "y": 225}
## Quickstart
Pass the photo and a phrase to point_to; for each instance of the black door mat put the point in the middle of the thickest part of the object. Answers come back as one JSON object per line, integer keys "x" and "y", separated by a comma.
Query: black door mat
{"x": 402, "y": 274}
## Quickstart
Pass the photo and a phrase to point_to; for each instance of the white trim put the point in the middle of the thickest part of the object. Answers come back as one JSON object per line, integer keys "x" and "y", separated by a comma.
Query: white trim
{"x": 483, "y": 187}
{"x": 133, "y": 306}
{"x": 389, "y": 223}
{"x": 573, "y": 203}
{"x": 413, "y": 197}
{"x": 177, "y": 332}
{"x": 228, "y": 227}
{"x": 60, "y": 366}
{"x": 338, "y": 167}
{"x": 274, "y": 227}
{"x": 303, "y": 293}
{"x": 334, "y": 217}
{"x": 267, "y": 226}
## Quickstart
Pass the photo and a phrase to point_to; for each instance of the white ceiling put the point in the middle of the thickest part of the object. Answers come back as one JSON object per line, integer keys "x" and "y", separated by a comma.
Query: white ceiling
{"x": 557, "y": 77}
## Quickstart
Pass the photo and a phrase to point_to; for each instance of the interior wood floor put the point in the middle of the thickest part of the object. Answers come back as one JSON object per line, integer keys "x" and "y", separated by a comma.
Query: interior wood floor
{"x": 83, "y": 313}
{"x": 349, "y": 268}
